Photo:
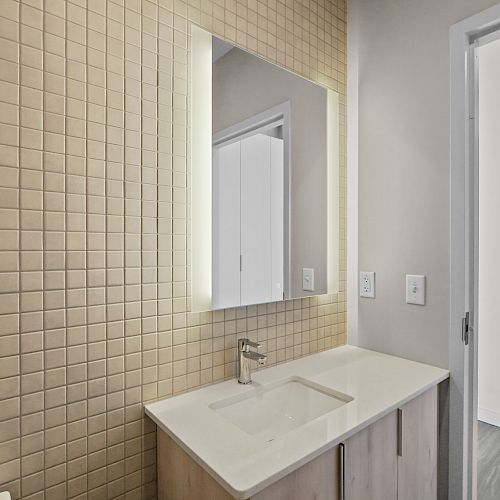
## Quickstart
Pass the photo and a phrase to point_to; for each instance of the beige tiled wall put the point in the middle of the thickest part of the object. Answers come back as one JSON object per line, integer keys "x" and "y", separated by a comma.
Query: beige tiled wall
{"x": 94, "y": 239}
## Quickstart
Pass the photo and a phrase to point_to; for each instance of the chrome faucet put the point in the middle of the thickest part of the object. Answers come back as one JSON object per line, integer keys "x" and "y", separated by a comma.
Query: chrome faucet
{"x": 244, "y": 357}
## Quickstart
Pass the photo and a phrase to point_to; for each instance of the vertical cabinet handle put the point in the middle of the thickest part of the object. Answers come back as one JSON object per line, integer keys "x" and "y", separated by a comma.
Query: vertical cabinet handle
{"x": 400, "y": 432}
{"x": 343, "y": 492}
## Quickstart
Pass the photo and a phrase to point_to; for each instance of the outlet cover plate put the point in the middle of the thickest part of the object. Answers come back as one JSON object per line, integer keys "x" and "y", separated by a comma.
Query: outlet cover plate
{"x": 415, "y": 289}
{"x": 367, "y": 284}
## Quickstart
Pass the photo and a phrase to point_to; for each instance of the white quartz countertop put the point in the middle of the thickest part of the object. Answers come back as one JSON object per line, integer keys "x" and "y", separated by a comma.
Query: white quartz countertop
{"x": 244, "y": 464}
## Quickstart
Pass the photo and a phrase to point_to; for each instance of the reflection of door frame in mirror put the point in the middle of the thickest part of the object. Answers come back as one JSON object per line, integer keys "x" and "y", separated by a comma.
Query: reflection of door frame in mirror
{"x": 276, "y": 116}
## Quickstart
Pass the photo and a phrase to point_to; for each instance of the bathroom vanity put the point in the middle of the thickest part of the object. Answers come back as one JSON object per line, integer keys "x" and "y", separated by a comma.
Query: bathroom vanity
{"x": 344, "y": 424}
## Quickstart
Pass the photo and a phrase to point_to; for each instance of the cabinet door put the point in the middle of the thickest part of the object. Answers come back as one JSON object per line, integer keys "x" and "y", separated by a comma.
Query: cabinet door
{"x": 417, "y": 463}
{"x": 226, "y": 227}
{"x": 180, "y": 477}
{"x": 370, "y": 458}
{"x": 317, "y": 480}
{"x": 256, "y": 219}
{"x": 277, "y": 219}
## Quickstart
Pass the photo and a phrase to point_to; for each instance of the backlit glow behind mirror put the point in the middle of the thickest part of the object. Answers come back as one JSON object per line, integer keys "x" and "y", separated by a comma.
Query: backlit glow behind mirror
{"x": 201, "y": 170}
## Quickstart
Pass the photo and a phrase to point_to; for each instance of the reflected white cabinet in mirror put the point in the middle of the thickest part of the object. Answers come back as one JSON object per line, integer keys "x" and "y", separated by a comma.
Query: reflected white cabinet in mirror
{"x": 266, "y": 146}
{"x": 247, "y": 223}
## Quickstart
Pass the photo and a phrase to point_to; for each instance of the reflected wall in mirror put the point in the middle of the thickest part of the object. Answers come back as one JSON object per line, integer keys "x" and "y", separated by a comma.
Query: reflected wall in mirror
{"x": 269, "y": 195}
{"x": 274, "y": 177}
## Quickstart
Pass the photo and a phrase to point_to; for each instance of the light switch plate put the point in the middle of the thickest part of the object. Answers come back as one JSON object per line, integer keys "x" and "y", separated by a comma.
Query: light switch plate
{"x": 415, "y": 289}
{"x": 367, "y": 284}
{"x": 308, "y": 279}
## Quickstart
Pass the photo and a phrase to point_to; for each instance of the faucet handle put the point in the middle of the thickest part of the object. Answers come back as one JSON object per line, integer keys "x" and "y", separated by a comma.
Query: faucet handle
{"x": 245, "y": 344}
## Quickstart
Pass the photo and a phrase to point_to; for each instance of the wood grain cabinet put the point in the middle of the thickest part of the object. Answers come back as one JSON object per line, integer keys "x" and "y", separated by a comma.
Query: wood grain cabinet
{"x": 418, "y": 454}
{"x": 395, "y": 458}
{"x": 371, "y": 465}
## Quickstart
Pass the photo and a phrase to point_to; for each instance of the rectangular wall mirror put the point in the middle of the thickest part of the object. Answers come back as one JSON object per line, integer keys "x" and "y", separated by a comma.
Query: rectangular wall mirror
{"x": 272, "y": 173}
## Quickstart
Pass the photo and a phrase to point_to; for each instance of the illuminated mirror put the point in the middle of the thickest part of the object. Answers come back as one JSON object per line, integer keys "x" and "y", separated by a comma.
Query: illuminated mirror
{"x": 264, "y": 180}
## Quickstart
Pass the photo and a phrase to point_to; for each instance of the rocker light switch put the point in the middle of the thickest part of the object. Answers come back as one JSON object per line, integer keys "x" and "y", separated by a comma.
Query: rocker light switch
{"x": 415, "y": 289}
{"x": 308, "y": 279}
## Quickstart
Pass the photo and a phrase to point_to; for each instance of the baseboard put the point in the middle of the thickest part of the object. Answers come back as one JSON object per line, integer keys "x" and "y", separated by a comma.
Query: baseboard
{"x": 488, "y": 416}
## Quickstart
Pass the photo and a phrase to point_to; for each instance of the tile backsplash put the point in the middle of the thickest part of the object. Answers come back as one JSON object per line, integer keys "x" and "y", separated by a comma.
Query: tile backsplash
{"x": 94, "y": 230}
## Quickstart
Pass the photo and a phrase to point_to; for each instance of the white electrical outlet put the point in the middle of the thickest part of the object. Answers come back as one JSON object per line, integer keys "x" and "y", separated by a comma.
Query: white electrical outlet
{"x": 415, "y": 289}
{"x": 367, "y": 284}
{"x": 308, "y": 279}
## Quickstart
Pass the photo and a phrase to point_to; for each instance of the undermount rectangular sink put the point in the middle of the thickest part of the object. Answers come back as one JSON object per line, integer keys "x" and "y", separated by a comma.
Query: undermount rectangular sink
{"x": 271, "y": 411}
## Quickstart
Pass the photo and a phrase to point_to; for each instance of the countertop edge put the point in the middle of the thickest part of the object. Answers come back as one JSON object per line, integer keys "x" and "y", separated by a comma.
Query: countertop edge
{"x": 245, "y": 494}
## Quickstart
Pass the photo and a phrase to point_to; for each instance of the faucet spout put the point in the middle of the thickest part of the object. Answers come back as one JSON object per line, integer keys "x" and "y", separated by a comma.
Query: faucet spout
{"x": 255, "y": 356}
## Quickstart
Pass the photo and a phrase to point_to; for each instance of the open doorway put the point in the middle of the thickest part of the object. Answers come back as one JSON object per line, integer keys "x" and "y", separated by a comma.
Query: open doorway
{"x": 488, "y": 337}
{"x": 475, "y": 212}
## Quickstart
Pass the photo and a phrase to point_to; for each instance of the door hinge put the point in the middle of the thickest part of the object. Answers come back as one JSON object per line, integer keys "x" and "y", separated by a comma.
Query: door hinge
{"x": 466, "y": 328}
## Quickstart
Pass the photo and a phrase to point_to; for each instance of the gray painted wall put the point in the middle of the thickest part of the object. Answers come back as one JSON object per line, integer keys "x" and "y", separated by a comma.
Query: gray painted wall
{"x": 243, "y": 86}
{"x": 403, "y": 145}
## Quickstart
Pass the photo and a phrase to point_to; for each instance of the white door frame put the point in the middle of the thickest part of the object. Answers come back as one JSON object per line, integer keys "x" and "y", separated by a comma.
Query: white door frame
{"x": 463, "y": 247}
